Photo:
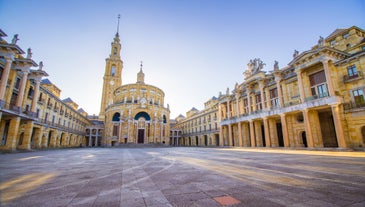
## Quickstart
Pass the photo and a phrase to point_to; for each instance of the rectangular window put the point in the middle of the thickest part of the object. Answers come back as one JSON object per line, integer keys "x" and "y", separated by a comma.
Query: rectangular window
{"x": 1, "y": 73}
{"x": 359, "y": 97}
{"x": 352, "y": 72}
{"x": 274, "y": 98}
{"x": 115, "y": 130}
{"x": 258, "y": 102}
{"x": 333, "y": 42}
{"x": 346, "y": 35}
{"x": 318, "y": 84}
{"x": 17, "y": 83}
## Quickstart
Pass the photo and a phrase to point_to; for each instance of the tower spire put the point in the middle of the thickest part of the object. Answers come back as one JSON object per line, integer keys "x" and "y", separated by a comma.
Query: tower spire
{"x": 118, "y": 25}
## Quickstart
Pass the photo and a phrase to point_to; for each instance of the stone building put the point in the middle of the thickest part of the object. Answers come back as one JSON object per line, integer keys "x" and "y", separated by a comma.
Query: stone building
{"x": 198, "y": 128}
{"x": 131, "y": 113}
{"x": 32, "y": 115}
{"x": 316, "y": 101}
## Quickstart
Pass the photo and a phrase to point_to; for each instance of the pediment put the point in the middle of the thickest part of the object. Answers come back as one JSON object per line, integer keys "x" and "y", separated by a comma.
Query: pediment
{"x": 317, "y": 54}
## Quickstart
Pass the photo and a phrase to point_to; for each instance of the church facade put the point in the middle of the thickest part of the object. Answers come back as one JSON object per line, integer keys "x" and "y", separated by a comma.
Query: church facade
{"x": 131, "y": 113}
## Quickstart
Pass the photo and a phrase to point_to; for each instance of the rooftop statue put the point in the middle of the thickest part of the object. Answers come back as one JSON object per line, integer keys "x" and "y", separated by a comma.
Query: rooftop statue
{"x": 321, "y": 41}
{"x": 29, "y": 53}
{"x": 296, "y": 53}
{"x": 254, "y": 66}
{"x": 276, "y": 65}
{"x": 15, "y": 39}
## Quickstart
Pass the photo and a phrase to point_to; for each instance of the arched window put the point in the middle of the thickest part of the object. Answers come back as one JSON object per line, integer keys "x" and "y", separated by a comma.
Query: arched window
{"x": 164, "y": 119}
{"x": 113, "y": 71}
{"x": 142, "y": 114}
{"x": 116, "y": 117}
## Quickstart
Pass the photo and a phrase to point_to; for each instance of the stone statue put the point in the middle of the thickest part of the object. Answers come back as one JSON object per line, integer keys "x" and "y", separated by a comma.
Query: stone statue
{"x": 254, "y": 66}
{"x": 40, "y": 65}
{"x": 15, "y": 39}
{"x": 227, "y": 91}
{"x": 296, "y": 53}
{"x": 321, "y": 41}
{"x": 29, "y": 53}
{"x": 276, "y": 65}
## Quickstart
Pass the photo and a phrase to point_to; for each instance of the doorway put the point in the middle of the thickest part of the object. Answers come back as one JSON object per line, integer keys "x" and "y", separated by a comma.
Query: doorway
{"x": 304, "y": 139}
{"x": 140, "y": 136}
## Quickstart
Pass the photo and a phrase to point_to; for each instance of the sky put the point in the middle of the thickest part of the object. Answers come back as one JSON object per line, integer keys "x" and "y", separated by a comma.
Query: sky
{"x": 191, "y": 49}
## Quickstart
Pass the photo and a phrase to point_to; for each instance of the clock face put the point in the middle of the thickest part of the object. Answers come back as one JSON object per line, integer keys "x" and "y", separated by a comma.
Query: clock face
{"x": 111, "y": 82}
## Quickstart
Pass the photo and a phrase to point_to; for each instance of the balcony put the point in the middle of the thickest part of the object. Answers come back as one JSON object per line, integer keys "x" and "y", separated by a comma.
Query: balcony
{"x": 353, "y": 106}
{"x": 317, "y": 96}
{"x": 358, "y": 76}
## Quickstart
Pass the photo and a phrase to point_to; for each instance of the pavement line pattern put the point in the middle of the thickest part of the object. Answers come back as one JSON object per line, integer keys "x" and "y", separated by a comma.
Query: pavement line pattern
{"x": 182, "y": 176}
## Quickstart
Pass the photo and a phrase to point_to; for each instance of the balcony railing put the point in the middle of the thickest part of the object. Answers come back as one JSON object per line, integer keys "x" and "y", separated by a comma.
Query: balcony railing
{"x": 16, "y": 109}
{"x": 317, "y": 96}
{"x": 353, "y": 105}
{"x": 347, "y": 78}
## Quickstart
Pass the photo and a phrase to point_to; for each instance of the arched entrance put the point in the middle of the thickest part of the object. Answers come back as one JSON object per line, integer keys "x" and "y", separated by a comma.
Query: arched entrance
{"x": 143, "y": 126}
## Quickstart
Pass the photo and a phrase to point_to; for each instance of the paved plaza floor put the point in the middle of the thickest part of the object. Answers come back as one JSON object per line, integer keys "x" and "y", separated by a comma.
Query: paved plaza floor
{"x": 182, "y": 177}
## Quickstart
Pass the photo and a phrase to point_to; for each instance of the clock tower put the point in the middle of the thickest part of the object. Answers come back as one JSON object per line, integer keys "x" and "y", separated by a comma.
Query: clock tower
{"x": 112, "y": 76}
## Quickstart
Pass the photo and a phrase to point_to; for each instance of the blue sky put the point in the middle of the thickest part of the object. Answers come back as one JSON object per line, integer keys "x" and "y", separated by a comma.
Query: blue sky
{"x": 190, "y": 49}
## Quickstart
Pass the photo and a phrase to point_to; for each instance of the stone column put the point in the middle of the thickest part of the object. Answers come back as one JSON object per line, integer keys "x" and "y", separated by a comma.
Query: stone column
{"x": 268, "y": 101}
{"x": 9, "y": 58}
{"x": 261, "y": 86}
{"x": 36, "y": 94}
{"x": 300, "y": 86}
{"x": 11, "y": 140}
{"x": 273, "y": 133}
{"x": 221, "y": 139}
{"x": 308, "y": 128}
{"x": 285, "y": 130}
{"x": 96, "y": 138}
{"x": 19, "y": 100}
{"x": 258, "y": 133}
{"x": 90, "y": 137}
{"x": 338, "y": 126}
{"x": 27, "y": 136}
{"x": 252, "y": 134}
{"x": 246, "y": 134}
{"x": 278, "y": 87}
{"x": 267, "y": 133}
{"x": 249, "y": 92}
{"x": 239, "y": 134}
{"x": 228, "y": 109}
{"x": 229, "y": 135}
{"x": 328, "y": 77}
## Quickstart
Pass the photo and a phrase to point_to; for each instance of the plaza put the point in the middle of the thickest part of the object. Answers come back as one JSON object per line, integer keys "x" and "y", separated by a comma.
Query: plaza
{"x": 183, "y": 176}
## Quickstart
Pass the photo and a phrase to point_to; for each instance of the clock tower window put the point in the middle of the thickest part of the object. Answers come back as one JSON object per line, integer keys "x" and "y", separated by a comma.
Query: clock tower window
{"x": 113, "y": 71}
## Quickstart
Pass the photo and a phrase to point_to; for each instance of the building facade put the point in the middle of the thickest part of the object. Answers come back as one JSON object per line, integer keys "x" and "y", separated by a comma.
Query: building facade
{"x": 316, "y": 101}
{"x": 198, "y": 128}
{"x": 131, "y": 113}
{"x": 32, "y": 115}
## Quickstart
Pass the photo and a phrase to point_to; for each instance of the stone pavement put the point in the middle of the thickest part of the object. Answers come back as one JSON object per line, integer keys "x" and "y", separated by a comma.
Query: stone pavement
{"x": 182, "y": 177}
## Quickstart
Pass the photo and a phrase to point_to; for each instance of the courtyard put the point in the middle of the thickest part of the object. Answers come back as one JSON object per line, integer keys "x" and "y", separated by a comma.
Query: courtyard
{"x": 182, "y": 177}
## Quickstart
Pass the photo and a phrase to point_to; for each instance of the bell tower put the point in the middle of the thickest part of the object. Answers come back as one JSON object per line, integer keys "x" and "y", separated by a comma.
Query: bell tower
{"x": 113, "y": 74}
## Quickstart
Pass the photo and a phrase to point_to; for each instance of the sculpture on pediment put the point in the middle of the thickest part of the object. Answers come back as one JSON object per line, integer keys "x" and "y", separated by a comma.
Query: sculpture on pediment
{"x": 276, "y": 65}
{"x": 254, "y": 66}
{"x": 40, "y": 65}
{"x": 321, "y": 41}
{"x": 296, "y": 53}
{"x": 29, "y": 53}
{"x": 15, "y": 39}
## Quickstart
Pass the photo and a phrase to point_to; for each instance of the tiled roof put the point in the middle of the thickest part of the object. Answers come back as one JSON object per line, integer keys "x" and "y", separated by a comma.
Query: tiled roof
{"x": 46, "y": 81}
{"x": 68, "y": 100}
